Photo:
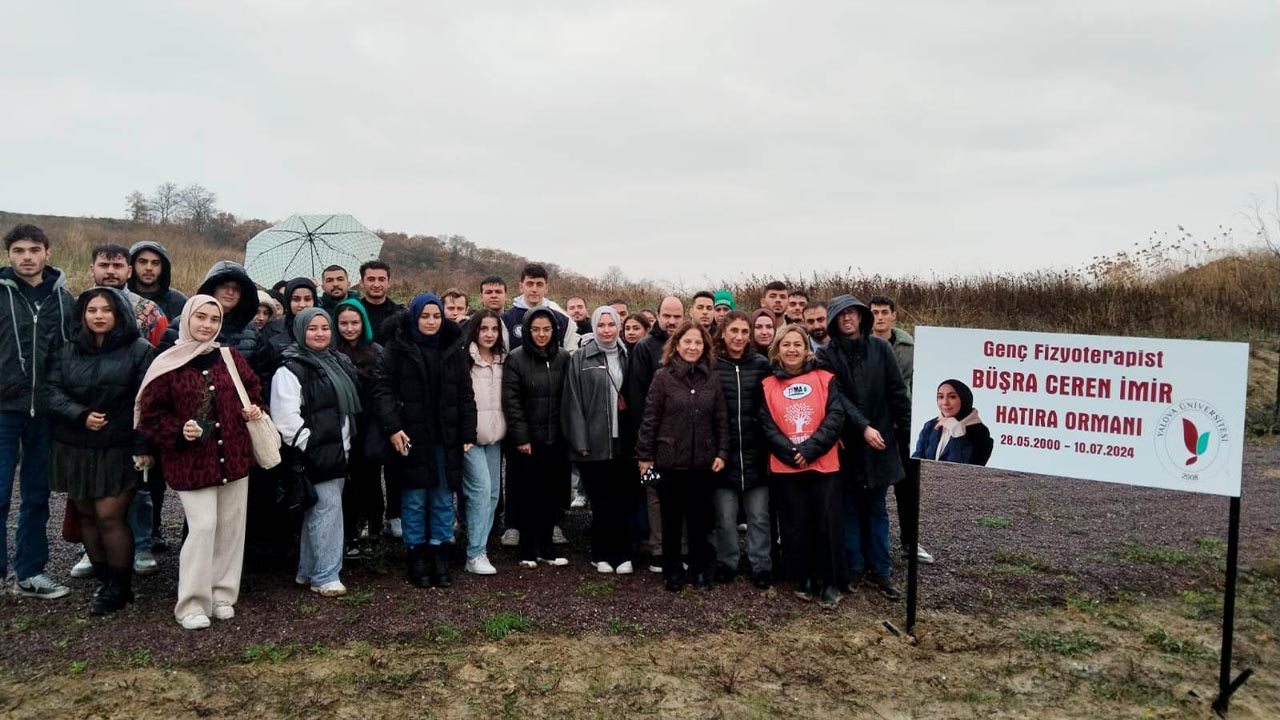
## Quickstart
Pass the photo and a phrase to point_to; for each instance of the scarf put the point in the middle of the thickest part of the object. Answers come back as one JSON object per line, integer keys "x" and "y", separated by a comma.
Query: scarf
{"x": 182, "y": 352}
{"x": 955, "y": 427}
{"x": 328, "y": 360}
{"x": 595, "y": 322}
{"x": 415, "y": 311}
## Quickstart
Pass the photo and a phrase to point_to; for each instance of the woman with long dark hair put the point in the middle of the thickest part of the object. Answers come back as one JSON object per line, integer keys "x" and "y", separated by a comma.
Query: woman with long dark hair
{"x": 89, "y": 391}
{"x": 482, "y": 469}
{"x": 763, "y": 327}
{"x": 362, "y": 495}
{"x": 634, "y": 328}
{"x": 801, "y": 419}
{"x": 424, "y": 403}
{"x": 685, "y": 438}
{"x": 189, "y": 407}
{"x": 957, "y": 434}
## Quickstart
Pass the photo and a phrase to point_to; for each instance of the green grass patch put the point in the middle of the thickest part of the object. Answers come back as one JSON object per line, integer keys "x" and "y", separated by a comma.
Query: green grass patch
{"x": 1070, "y": 644}
{"x": 604, "y": 588}
{"x": 504, "y": 623}
{"x": 994, "y": 522}
{"x": 618, "y": 626}
{"x": 1171, "y": 645}
{"x": 21, "y": 624}
{"x": 77, "y": 667}
{"x": 356, "y": 598}
{"x": 1018, "y": 562}
{"x": 138, "y": 659}
{"x": 1154, "y": 555}
{"x": 269, "y": 653}
{"x": 447, "y": 633}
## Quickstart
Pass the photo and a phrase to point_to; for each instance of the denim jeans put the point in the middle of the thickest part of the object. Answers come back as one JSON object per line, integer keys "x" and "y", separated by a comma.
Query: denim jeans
{"x": 31, "y": 543}
{"x": 482, "y": 466}
{"x": 415, "y": 522}
{"x": 755, "y": 504}
{"x": 320, "y": 557}
{"x": 140, "y": 520}
{"x": 866, "y": 531}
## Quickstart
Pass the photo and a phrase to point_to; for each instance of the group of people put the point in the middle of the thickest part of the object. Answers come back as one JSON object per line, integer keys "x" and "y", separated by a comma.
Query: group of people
{"x": 429, "y": 423}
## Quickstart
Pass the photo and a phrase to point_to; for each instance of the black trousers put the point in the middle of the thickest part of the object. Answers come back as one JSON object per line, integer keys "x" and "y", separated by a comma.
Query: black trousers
{"x": 810, "y": 513}
{"x": 685, "y": 497}
{"x": 907, "y": 493}
{"x": 536, "y": 483}
{"x": 614, "y": 490}
{"x": 362, "y": 496}
{"x": 156, "y": 486}
{"x": 394, "y": 487}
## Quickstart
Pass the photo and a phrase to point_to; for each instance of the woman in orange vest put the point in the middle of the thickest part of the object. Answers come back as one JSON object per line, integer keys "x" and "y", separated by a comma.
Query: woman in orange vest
{"x": 801, "y": 421}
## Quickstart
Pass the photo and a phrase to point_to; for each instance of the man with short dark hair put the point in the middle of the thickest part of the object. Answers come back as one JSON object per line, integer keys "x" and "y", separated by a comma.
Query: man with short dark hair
{"x": 775, "y": 298}
{"x": 703, "y": 311}
{"x": 35, "y": 320}
{"x": 335, "y": 287}
{"x": 455, "y": 304}
{"x": 152, "y": 273}
{"x": 619, "y": 306}
{"x": 796, "y": 301}
{"x": 375, "y": 283}
{"x": 815, "y": 321}
{"x": 884, "y": 315}
{"x": 533, "y": 294}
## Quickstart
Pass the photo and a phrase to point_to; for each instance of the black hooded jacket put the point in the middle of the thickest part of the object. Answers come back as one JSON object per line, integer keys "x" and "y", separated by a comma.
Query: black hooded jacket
{"x": 237, "y": 326}
{"x": 170, "y": 301}
{"x": 85, "y": 378}
{"x": 533, "y": 384}
{"x": 426, "y": 392}
{"x": 277, "y": 336}
{"x": 875, "y": 395}
{"x": 29, "y": 334}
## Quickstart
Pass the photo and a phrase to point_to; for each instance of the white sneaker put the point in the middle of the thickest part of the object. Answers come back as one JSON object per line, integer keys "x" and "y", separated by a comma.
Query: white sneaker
{"x": 655, "y": 567}
{"x": 579, "y": 501}
{"x": 333, "y": 588}
{"x": 555, "y": 562}
{"x": 923, "y": 555}
{"x": 528, "y": 564}
{"x": 393, "y": 528}
{"x": 144, "y": 563}
{"x": 624, "y": 568}
{"x": 194, "y": 621}
{"x": 83, "y": 569}
{"x": 480, "y": 565}
{"x": 742, "y": 527}
{"x": 41, "y": 586}
{"x": 299, "y": 580}
{"x": 603, "y": 567}
{"x": 223, "y": 611}
{"x": 510, "y": 538}
{"x": 557, "y": 536}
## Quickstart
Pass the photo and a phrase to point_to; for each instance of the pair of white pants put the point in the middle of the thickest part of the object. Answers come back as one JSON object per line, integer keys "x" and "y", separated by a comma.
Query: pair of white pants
{"x": 213, "y": 553}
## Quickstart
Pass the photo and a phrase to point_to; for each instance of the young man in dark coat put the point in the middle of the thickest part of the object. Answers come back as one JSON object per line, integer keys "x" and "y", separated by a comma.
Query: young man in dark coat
{"x": 877, "y": 401}
{"x": 152, "y": 273}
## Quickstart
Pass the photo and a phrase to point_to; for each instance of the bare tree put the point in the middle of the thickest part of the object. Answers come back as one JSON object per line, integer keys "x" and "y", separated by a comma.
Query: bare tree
{"x": 164, "y": 203}
{"x": 1266, "y": 226}
{"x": 198, "y": 206}
{"x": 137, "y": 208}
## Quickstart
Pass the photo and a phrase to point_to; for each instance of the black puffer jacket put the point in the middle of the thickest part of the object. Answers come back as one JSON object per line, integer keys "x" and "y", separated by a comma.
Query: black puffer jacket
{"x": 84, "y": 378}
{"x": 532, "y": 384}
{"x": 29, "y": 335}
{"x": 277, "y": 336}
{"x": 427, "y": 394}
{"x": 741, "y": 379}
{"x": 326, "y": 458}
{"x": 686, "y": 425}
{"x": 875, "y": 395}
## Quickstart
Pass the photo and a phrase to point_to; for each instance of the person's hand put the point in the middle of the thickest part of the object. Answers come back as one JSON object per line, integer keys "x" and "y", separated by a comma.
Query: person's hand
{"x": 584, "y": 453}
{"x": 143, "y": 462}
{"x": 253, "y": 412}
{"x": 717, "y": 465}
{"x": 800, "y": 461}
{"x": 873, "y": 438}
{"x": 526, "y": 449}
{"x": 645, "y": 465}
{"x": 399, "y": 441}
{"x": 192, "y": 431}
{"x": 96, "y": 421}
{"x": 466, "y": 447}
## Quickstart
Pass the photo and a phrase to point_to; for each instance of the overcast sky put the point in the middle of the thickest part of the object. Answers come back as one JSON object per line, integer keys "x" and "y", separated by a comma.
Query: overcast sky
{"x": 680, "y": 140}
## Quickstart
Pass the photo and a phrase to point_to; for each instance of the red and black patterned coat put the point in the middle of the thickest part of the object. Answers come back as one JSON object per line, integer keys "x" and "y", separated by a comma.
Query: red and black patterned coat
{"x": 225, "y": 454}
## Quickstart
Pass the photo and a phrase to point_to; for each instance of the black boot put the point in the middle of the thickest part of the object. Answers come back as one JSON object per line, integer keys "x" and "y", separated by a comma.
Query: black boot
{"x": 416, "y": 557}
{"x": 113, "y": 595}
{"x": 124, "y": 582}
{"x": 441, "y": 567}
{"x": 101, "y": 572}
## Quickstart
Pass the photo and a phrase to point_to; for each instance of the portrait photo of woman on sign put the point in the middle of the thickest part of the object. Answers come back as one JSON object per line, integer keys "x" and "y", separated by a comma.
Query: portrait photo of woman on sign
{"x": 957, "y": 435}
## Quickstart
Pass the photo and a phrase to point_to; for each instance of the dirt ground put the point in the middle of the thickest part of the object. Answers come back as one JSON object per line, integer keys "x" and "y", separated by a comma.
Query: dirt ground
{"x": 1050, "y": 598}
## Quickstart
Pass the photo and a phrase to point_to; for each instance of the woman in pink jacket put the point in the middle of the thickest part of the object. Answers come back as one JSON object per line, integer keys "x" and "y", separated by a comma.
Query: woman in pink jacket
{"x": 482, "y": 464}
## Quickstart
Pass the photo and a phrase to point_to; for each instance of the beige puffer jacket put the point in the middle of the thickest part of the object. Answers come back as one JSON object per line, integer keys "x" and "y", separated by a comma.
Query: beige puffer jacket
{"x": 486, "y": 382}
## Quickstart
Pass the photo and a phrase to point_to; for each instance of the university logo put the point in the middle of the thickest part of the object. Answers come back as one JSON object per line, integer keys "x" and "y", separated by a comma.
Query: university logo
{"x": 1189, "y": 439}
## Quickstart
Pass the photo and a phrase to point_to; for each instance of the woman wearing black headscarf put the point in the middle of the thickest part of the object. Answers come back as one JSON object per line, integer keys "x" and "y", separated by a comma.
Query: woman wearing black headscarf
{"x": 957, "y": 435}
{"x": 90, "y": 391}
{"x": 314, "y": 402}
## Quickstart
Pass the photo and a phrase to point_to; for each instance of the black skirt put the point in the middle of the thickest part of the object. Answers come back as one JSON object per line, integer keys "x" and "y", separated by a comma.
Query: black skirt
{"x": 91, "y": 473}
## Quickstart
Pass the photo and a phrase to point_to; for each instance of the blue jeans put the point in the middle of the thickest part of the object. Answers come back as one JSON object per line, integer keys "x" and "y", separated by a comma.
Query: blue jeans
{"x": 320, "y": 556}
{"x": 31, "y": 543}
{"x": 866, "y": 531}
{"x": 480, "y": 484}
{"x": 140, "y": 520}
{"x": 413, "y": 510}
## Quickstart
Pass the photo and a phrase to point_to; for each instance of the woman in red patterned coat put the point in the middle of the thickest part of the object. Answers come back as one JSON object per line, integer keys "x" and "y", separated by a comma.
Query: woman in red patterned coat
{"x": 189, "y": 408}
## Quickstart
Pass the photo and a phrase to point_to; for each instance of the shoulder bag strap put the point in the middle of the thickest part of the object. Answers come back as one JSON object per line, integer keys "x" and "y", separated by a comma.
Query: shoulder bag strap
{"x": 235, "y": 376}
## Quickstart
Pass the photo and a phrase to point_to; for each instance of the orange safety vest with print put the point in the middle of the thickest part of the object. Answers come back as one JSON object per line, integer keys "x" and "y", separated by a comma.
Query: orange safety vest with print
{"x": 798, "y": 406}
